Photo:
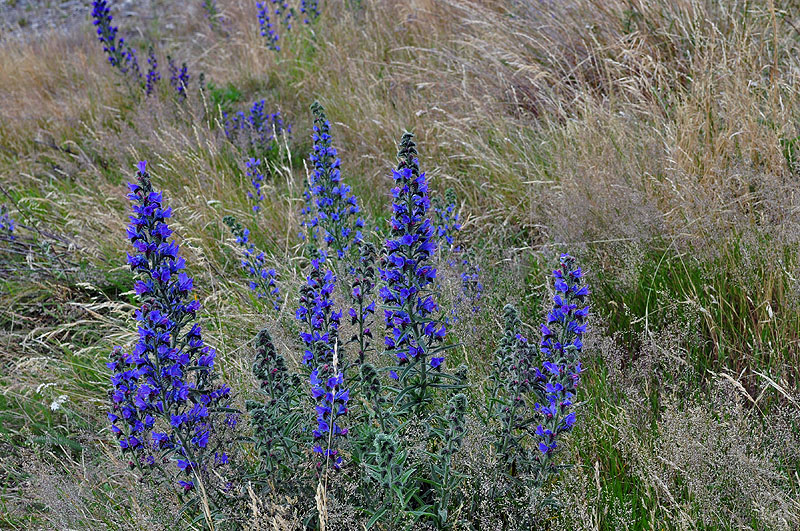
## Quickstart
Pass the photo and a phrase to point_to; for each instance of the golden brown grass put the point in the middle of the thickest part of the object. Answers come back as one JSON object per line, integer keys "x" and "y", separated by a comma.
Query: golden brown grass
{"x": 639, "y": 134}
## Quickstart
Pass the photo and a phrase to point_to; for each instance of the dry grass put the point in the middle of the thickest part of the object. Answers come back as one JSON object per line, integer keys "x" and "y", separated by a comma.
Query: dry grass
{"x": 648, "y": 137}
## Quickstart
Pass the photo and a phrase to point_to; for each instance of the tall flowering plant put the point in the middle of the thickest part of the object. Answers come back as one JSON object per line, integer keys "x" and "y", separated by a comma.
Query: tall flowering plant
{"x": 527, "y": 436}
{"x": 179, "y": 77}
{"x": 310, "y": 10}
{"x": 270, "y": 13}
{"x": 512, "y": 379}
{"x": 333, "y": 210}
{"x": 447, "y": 225}
{"x": 166, "y": 402}
{"x": 120, "y": 55}
{"x": 277, "y": 419}
{"x": 153, "y": 75}
{"x": 561, "y": 347}
{"x": 320, "y": 335}
{"x": 257, "y": 130}
{"x": 362, "y": 296}
{"x": 263, "y": 279}
{"x": 447, "y": 222}
{"x": 268, "y": 30}
{"x": 413, "y": 334}
{"x": 256, "y": 195}
{"x": 213, "y": 14}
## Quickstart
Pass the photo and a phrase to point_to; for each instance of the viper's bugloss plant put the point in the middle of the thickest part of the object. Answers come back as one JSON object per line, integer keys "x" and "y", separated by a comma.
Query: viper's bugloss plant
{"x": 446, "y": 228}
{"x": 7, "y": 223}
{"x": 447, "y": 222}
{"x": 153, "y": 75}
{"x": 451, "y": 442}
{"x": 513, "y": 377}
{"x": 387, "y": 465}
{"x": 257, "y": 130}
{"x": 120, "y": 55}
{"x": 263, "y": 279}
{"x": 372, "y": 390}
{"x": 256, "y": 180}
{"x": 333, "y": 213}
{"x": 268, "y": 30}
{"x": 106, "y": 31}
{"x": 362, "y": 296}
{"x": 320, "y": 335}
{"x": 179, "y": 77}
{"x": 167, "y": 409}
{"x": 561, "y": 346}
{"x": 413, "y": 334}
{"x": 310, "y": 10}
{"x": 528, "y": 436}
{"x": 277, "y": 422}
{"x": 283, "y": 12}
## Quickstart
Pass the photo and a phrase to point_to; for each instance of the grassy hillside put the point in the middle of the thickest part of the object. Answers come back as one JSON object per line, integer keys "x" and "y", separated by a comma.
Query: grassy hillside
{"x": 657, "y": 142}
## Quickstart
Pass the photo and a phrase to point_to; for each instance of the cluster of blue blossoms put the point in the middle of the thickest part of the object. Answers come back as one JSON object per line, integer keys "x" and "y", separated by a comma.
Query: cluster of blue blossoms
{"x": 267, "y": 28}
{"x": 256, "y": 129}
{"x": 320, "y": 336}
{"x": 123, "y": 57}
{"x": 7, "y": 223}
{"x": 257, "y": 180}
{"x": 165, "y": 394}
{"x": 179, "y": 77}
{"x": 310, "y": 10}
{"x": 212, "y": 13}
{"x": 561, "y": 347}
{"x": 120, "y": 54}
{"x": 447, "y": 225}
{"x": 330, "y": 209}
{"x": 263, "y": 279}
{"x": 407, "y": 270}
{"x": 447, "y": 222}
{"x": 274, "y": 10}
{"x": 153, "y": 75}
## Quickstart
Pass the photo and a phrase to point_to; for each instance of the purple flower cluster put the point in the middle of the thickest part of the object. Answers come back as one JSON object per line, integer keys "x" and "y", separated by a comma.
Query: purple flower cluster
{"x": 256, "y": 179}
{"x": 179, "y": 77}
{"x": 274, "y": 10}
{"x": 257, "y": 129}
{"x": 317, "y": 313}
{"x": 320, "y": 337}
{"x": 310, "y": 10}
{"x": 447, "y": 223}
{"x": 263, "y": 279}
{"x": 413, "y": 333}
{"x": 120, "y": 54}
{"x": 561, "y": 350}
{"x": 166, "y": 382}
{"x": 330, "y": 206}
{"x": 267, "y": 27}
{"x": 327, "y": 388}
{"x": 446, "y": 227}
{"x": 7, "y": 223}
{"x": 283, "y": 12}
{"x": 153, "y": 75}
